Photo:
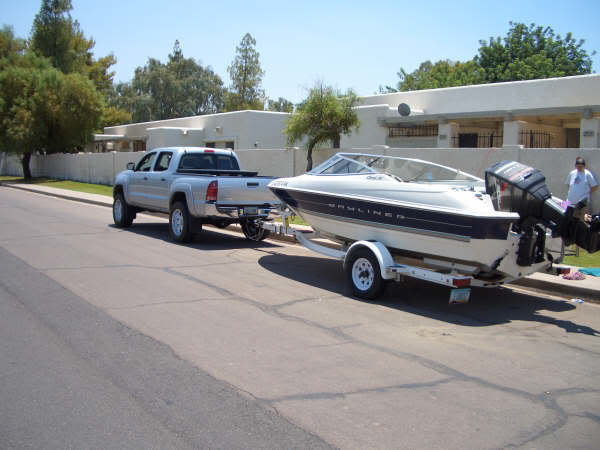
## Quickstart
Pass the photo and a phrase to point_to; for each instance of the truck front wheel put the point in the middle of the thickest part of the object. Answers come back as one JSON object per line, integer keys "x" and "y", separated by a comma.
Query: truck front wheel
{"x": 180, "y": 223}
{"x": 123, "y": 213}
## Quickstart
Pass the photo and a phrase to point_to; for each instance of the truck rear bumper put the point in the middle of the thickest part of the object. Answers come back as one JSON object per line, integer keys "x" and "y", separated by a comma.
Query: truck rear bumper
{"x": 230, "y": 212}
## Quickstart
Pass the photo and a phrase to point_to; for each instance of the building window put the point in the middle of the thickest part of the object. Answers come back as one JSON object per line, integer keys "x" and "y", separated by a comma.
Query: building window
{"x": 476, "y": 140}
{"x": 139, "y": 146}
{"x": 536, "y": 139}
{"x": 230, "y": 144}
{"x": 467, "y": 140}
{"x": 572, "y": 137}
{"x": 210, "y": 144}
{"x": 414, "y": 131}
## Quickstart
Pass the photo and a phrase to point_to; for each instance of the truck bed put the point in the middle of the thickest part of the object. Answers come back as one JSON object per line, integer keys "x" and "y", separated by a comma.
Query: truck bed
{"x": 216, "y": 172}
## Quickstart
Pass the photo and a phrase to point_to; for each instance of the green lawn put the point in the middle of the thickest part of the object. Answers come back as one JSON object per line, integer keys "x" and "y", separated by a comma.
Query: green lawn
{"x": 296, "y": 220}
{"x": 64, "y": 184}
{"x": 584, "y": 259}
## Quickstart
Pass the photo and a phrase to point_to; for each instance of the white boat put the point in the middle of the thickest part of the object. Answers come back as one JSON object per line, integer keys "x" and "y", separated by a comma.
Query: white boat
{"x": 496, "y": 230}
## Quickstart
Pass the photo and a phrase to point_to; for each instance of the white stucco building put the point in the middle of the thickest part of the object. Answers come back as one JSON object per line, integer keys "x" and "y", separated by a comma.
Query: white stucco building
{"x": 549, "y": 113}
{"x": 235, "y": 130}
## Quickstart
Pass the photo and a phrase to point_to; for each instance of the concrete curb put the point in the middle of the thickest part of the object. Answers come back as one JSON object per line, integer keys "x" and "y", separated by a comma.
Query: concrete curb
{"x": 72, "y": 197}
{"x": 527, "y": 282}
{"x": 575, "y": 291}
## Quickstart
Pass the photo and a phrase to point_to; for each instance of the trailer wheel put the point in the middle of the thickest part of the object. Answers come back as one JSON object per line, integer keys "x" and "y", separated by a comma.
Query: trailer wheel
{"x": 180, "y": 225}
{"x": 253, "y": 231}
{"x": 364, "y": 274}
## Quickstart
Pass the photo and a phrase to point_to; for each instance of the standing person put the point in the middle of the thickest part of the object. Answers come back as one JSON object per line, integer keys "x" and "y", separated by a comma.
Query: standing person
{"x": 581, "y": 185}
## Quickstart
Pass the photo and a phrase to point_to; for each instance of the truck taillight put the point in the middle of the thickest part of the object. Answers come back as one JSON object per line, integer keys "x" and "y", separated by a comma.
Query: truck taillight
{"x": 211, "y": 191}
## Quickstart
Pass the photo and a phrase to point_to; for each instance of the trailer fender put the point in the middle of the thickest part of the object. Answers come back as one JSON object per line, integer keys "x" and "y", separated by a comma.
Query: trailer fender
{"x": 384, "y": 257}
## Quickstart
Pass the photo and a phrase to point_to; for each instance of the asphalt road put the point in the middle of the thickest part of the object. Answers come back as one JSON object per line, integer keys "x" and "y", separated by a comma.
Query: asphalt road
{"x": 123, "y": 339}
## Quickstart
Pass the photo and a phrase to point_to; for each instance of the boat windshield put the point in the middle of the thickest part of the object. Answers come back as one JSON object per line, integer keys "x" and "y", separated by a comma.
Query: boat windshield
{"x": 405, "y": 169}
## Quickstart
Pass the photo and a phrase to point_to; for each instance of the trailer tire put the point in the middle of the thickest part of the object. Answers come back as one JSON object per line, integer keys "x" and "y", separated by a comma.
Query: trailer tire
{"x": 180, "y": 226}
{"x": 253, "y": 231}
{"x": 364, "y": 274}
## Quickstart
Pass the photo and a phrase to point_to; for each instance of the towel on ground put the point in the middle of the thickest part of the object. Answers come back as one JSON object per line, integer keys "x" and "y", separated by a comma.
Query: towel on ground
{"x": 594, "y": 271}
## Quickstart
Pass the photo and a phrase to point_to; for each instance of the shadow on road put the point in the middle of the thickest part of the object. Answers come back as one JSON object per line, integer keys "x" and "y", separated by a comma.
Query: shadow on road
{"x": 208, "y": 239}
{"x": 487, "y": 307}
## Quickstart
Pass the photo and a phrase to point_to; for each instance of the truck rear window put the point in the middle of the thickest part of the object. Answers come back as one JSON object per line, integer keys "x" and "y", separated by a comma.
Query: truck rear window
{"x": 208, "y": 162}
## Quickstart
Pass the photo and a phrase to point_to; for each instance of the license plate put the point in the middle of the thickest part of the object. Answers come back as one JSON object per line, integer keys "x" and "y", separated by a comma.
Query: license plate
{"x": 250, "y": 210}
{"x": 460, "y": 295}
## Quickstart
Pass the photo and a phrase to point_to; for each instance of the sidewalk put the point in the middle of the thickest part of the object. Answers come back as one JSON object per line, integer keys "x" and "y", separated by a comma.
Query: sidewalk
{"x": 588, "y": 289}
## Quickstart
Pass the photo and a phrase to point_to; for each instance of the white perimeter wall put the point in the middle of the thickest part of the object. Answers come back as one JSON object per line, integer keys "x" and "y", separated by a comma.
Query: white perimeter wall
{"x": 102, "y": 167}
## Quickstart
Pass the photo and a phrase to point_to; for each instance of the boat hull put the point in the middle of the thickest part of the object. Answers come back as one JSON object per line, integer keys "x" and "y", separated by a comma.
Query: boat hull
{"x": 458, "y": 236}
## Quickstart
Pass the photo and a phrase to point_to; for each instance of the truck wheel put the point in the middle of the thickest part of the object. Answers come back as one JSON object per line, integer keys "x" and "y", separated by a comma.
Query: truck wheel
{"x": 364, "y": 274}
{"x": 179, "y": 222}
{"x": 253, "y": 231}
{"x": 123, "y": 214}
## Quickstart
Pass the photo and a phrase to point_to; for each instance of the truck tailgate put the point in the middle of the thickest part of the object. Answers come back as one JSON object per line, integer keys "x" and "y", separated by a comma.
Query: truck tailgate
{"x": 240, "y": 191}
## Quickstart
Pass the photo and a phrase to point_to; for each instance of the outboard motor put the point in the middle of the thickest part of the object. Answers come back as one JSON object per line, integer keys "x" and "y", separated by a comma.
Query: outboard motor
{"x": 515, "y": 187}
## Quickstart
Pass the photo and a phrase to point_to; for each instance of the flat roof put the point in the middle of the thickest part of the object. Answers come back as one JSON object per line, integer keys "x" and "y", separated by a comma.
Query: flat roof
{"x": 117, "y": 137}
{"x": 505, "y": 113}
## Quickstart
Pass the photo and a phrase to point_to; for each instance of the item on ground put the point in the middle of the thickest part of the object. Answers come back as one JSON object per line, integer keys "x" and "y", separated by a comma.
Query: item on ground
{"x": 574, "y": 276}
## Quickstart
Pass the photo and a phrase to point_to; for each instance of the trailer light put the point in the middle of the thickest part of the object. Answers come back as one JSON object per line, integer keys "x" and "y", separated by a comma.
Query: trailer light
{"x": 212, "y": 191}
{"x": 461, "y": 282}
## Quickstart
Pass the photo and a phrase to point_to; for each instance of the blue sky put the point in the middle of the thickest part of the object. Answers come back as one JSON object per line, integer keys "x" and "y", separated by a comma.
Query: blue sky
{"x": 348, "y": 44}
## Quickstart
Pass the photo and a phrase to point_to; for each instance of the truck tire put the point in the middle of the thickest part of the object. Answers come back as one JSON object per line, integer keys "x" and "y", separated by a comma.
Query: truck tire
{"x": 364, "y": 274}
{"x": 123, "y": 213}
{"x": 180, "y": 225}
{"x": 253, "y": 231}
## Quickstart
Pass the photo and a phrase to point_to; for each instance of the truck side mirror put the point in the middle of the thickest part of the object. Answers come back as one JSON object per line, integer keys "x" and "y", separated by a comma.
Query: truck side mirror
{"x": 130, "y": 166}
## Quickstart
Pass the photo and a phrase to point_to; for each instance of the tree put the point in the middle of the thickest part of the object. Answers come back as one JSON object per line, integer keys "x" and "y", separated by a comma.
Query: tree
{"x": 323, "y": 117}
{"x": 10, "y": 46}
{"x": 441, "y": 74}
{"x": 246, "y": 77}
{"x": 532, "y": 52}
{"x": 280, "y": 105}
{"x": 43, "y": 109}
{"x": 526, "y": 53}
{"x": 55, "y": 35}
{"x": 181, "y": 87}
{"x": 58, "y": 37}
{"x": 112, "y": 116}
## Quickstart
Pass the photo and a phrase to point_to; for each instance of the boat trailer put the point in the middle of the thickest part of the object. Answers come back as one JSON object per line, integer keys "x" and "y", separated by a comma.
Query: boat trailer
{"x": 369, "y": 264}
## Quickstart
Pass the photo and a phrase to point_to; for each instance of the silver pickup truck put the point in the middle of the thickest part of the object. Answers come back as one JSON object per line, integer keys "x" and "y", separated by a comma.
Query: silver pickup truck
{"x": 195, "y": 186}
